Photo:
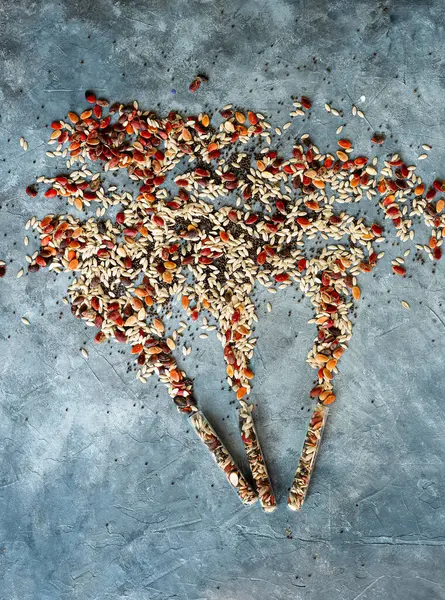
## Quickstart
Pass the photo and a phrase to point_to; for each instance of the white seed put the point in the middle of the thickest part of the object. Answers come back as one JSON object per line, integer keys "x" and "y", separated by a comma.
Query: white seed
{"x": 233, "y": 477}
{"x": 25, "y": 321}
{"x": 84, "y": 352}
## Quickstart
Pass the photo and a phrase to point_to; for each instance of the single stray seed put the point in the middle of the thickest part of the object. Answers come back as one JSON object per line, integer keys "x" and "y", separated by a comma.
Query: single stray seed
{"x": 405, "y": 304}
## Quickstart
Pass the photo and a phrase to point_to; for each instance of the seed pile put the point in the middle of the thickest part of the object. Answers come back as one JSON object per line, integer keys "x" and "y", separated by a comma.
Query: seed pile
{"x": 172, "y": 239}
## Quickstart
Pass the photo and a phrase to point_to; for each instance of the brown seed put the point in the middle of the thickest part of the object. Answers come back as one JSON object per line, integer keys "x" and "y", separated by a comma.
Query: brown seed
{"x": 74, "y": 263}
{"x": 331, "y": 364}
{"x": 329, "y": 399}
{"x": 159, "y": 325}
{"x": 321, "y": 358}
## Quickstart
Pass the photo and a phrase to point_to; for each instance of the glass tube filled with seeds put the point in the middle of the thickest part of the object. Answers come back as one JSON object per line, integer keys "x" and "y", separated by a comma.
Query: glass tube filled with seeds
{"x": 223, "y": 458}
{"x": 302, "y": 477}
{"x": 256, "y": 458}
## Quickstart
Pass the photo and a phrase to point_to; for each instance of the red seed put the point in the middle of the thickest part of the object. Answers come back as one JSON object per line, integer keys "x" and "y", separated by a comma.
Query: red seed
{"x": 99, "y": 337}
{"x": 430, "y": 194}
{"x": 159, "y": 221}
{"x": 195, "y": 84}
{"x": 251, "y": 219}
{"x": 261, "y": 258}
{"x": 306, "y": 102}
{"x": 90, "y": 96}
{"x": 253, "y": 119}
{"x": 120, "y": 336}
{"x": 437, "y": 253}
{"x": 282, "y": 277}
{"x": 51, "y": 193}
{"x": 130, "y": 232}
{"x": 316, "y": 391}
{"x": 182, "y": 182}
{"x": 31, "y": 191}
{"x": 281, "y": 207}
{"x": 303, "y": 222}
{"x": 40, "y": 261}
{"x": 393, "y": 211}
{"x": 399, "y": 270}
{"x": 2, "y": 270}
{"x": 56, "y": 125}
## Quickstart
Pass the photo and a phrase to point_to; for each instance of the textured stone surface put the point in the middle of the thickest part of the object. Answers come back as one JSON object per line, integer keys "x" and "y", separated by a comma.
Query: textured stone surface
{"x": 104, "y": 492}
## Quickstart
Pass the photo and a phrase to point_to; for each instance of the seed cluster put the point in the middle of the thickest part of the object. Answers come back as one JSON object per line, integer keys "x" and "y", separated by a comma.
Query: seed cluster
{"x": 172, "y": 239}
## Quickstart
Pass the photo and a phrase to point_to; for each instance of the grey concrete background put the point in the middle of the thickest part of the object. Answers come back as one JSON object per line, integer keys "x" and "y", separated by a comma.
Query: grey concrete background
{"x": 105, "y": 494}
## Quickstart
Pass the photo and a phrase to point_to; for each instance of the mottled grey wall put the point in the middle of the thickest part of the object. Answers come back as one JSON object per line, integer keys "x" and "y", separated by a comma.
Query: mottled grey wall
{"x": 104, "y": 492}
